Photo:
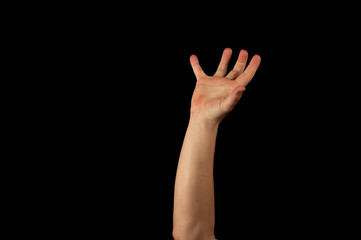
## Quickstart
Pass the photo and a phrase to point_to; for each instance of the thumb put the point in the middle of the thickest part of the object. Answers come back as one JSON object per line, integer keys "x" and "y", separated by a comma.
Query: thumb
{"x": 231, "y": 101}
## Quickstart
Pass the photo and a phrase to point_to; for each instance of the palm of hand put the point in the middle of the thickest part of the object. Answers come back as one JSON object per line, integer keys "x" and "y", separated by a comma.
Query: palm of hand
{"x": 209, "y": 94}
{"x": 215, "y": 96}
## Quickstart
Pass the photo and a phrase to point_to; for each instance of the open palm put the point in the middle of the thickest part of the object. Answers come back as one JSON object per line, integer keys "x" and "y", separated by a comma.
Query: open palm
{"x": 215, "y": 96}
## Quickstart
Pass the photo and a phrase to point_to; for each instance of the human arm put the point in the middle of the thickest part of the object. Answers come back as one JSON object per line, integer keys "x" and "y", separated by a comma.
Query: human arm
{"x": 213, "y": 98}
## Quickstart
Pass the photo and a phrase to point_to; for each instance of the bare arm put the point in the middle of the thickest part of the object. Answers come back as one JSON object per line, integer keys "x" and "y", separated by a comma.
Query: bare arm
{"x": 213, "y": 98}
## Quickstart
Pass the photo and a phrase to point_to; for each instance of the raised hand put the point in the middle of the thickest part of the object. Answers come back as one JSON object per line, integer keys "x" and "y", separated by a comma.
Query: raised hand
{"x": 215, "y": 96}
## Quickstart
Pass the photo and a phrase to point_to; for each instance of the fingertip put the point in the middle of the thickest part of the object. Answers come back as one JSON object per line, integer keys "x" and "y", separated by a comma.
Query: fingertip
{"x": 243, "y": 55}
{"x": 257, "y": 57}
{"x": 193, "y": 58}
{"x": 228, "y": 50}
{"x": 227, "y": 53}
{"x": 244, "y": 51}
{"x": 255, "y": 61}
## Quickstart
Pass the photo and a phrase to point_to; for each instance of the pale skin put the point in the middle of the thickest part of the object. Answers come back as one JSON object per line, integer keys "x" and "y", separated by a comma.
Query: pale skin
{"x": 213, "y": 98}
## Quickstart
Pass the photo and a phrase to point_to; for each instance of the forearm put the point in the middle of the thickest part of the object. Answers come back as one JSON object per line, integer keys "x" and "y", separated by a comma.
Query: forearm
{"x": 194, "y": 189}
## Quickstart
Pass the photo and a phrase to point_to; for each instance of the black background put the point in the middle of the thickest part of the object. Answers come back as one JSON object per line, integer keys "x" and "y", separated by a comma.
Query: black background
{"x": 122, "y": 88}
{"x": 269, "y": 166}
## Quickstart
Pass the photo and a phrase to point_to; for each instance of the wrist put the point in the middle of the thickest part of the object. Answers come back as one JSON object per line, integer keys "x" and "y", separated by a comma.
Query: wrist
{"x": 203, "y": 122}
